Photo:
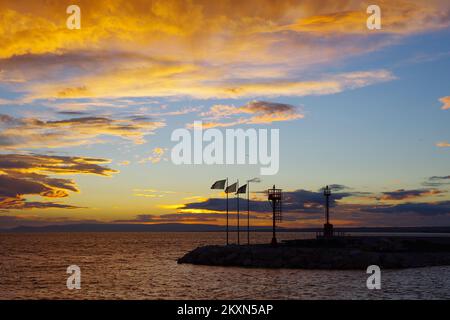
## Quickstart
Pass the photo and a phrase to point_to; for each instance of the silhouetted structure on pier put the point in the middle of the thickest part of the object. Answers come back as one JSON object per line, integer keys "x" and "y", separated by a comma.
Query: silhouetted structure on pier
{"x": 275, "y": 196}
{"x": 327, "y": 227}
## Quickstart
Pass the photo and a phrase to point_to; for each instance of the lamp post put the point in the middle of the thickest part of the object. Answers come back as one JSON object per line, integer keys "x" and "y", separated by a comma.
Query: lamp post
{"x": 327, "y": 227}
{"x": 227, "y": 211}
{"x": 237, "y": 194}
{"x": 327, "y": 193}
{"x": 248, "y": 211}
{"x": 274, "y": 197}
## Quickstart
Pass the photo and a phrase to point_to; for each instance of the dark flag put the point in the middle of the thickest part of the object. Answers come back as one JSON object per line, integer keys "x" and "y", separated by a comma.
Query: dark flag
{"x": 231, "y": 188}
{"x": 220, "y": 184}
{"x": 242, "y": 189}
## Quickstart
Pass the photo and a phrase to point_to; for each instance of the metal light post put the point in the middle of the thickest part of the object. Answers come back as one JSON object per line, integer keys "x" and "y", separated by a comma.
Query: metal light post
{"x": 327, "y": 193}
{"x": 248, "y": 212}
{"x": 238, "y": 232}
{"x": 227, "y": 211}
{"x": 274, "y": 196}
{"x": 327, "y": 227}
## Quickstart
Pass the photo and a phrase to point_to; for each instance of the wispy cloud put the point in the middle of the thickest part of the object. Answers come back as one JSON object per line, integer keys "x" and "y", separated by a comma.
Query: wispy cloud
{"x": 443, "y": 144}
{"x": 202, "y": 84}
{"x": 437, "y": 181}
{"x": 151, "y": 193}
{"x": 403, "y": 194}
{"x": 440, "y": 178}
{"x": 156, "y": 156}
{"x": 446, "y": 102}
{"x": 36, "y": 133}
{"x": 177, "y": 217}
{"x": 255, "y": 112}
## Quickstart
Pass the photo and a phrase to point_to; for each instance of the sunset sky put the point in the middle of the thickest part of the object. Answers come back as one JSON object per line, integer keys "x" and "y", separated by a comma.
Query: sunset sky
{"x": 86, "y": 115}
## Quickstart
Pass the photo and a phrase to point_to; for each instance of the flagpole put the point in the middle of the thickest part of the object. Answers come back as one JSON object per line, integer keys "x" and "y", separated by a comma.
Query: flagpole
{"x": 226, "y": 191}
{"x": 237, "y": 187}
{"x": 248, "y": 212}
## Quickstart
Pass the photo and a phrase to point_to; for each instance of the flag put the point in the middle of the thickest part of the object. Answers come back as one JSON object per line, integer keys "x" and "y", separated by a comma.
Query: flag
{"x": 231, "y": 188}
{"x": 220, "y": 184}
{"x": 242, "y": 189}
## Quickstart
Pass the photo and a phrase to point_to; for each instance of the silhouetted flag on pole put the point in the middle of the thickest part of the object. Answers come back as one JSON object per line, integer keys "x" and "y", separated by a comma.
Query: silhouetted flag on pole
{"x": 231, "y": 188}
{"x": 242, "y": 189}
{"x": 220, "y": 184}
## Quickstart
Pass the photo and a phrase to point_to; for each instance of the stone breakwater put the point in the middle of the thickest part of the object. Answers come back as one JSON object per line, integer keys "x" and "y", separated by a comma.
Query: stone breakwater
{"x": 337, "y": 253}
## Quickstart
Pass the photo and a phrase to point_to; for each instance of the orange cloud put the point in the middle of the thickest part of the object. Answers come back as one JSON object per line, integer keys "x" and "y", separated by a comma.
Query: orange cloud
{"x": 259, "y": 111}
{"x": 443, "y": 144}
{"x": 398, "y": 17}
{"x": 35, "y": 133}
{"x": 151, "y": 193}
{"x": 199, "y": 83}
{"x": 157, "y": 155}
{"x": 198, "y": 48}
{"x": 22, "y": 175}
{"x": 446, "y": 102}
{"x": 29, "y": 27}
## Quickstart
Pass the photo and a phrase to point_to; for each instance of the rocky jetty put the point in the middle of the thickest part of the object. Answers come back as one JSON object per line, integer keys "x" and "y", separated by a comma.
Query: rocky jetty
{"x": 340, "y": 253}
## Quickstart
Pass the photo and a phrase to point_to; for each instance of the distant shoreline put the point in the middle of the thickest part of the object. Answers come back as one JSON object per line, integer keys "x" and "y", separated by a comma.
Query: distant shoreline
{"x": 179, "y": 227}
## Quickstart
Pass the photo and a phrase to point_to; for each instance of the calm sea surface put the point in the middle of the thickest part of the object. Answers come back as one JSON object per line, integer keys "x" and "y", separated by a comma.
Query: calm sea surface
{"x": 143, "y": 266}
